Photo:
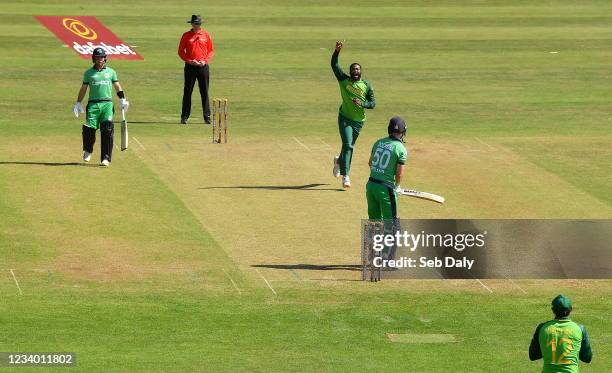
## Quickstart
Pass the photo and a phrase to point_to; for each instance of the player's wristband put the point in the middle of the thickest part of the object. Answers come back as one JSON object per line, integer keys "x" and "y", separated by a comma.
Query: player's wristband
{"x": 120, "y": 94}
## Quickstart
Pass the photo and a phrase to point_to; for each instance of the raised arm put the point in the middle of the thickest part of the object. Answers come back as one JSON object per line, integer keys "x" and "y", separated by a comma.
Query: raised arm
{"x": 340, "y": 75}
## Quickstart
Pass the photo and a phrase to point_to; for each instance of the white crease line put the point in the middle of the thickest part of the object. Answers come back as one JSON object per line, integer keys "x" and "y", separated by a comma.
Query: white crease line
{"x": 299, "y": 142}
{"x": 484, "y": 143}
{"x": 439, "y": 275}
{"x": 324, "y": 143}
{"x": 16, "y": 282}
{"x": 233, "y": 283}
{"x": 515, "y": 284}
{"x": 484, "y": 286}
{"x": 139, "y": 143}
{"x": 267, "y": 283}
{"x": 480, "y": 282}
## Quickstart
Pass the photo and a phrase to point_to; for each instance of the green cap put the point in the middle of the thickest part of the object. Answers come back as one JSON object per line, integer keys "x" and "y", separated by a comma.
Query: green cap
{"x": 561, "y": 303}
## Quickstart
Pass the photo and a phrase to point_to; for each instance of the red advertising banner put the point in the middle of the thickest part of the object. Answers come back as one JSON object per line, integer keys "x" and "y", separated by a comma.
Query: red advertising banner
{"x": 84, "y": 33}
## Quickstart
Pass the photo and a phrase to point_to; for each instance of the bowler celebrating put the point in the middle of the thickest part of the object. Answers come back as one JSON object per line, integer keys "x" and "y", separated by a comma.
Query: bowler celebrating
{"x": 357, "y": 95}
{"x": 99, "y": 78}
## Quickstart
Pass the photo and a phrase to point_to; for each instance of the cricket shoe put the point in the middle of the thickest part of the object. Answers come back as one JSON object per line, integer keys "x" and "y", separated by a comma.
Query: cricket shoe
{"x": 105, "y": 162}
{"x": 183, "y": 120}
{"x": 86, "y": 156}
{"x": 336, "y": 167}
{"x": 346, "y": 182}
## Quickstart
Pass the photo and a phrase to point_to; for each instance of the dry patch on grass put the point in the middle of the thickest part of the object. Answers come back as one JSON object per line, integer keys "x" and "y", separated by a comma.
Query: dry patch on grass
{"x": 269, "y": 205}
{"x": 113, "y": 259}
{"x": 99, "y": 224}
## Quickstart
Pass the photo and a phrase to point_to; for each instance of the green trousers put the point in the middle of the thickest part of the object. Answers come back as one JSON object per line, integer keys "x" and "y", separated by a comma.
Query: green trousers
{"x": 382, "y": 201}
{"x": 382, "y": 205}
{"x": 349, "y": 131}
{"x": 99, "y": 112}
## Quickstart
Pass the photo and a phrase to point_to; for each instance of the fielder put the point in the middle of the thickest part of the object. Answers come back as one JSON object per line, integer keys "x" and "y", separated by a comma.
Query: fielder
{"x": 99, "y": 113}
{"x": 560, "y": 342}
{"x": 386, "y": 170}
{"x": 357, "y": 95}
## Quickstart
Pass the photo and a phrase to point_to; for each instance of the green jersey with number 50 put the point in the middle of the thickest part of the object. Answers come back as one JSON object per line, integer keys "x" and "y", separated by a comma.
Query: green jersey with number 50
{"x": 387, "y": 153}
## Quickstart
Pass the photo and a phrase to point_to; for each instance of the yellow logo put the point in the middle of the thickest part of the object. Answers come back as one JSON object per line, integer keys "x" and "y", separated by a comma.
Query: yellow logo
{"x": 356, "y": 90}
{"x": 78, "y": 28}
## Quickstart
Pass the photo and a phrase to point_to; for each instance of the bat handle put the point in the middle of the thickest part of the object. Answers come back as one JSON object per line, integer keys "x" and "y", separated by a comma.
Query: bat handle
{"x": 122, "y": 114}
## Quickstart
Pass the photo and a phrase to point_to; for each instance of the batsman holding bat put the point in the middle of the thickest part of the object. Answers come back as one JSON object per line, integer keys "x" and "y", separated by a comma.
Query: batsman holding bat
{"x": 386, "y": 170}
{"x": 357, "y": 95}
{"x": 99, "y": 113}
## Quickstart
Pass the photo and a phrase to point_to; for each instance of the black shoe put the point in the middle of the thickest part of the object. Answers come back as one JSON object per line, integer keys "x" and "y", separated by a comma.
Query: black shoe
{"x": 183, "y": 120}
{"x": 207, "y": 120}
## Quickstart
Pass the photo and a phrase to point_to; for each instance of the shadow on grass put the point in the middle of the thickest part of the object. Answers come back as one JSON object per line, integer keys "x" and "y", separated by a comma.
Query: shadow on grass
{"x": 279, "y": 187}
{"x": 177, "y": 122}
{"x": 313, "y": 267}
{"x": 50, "y": 163}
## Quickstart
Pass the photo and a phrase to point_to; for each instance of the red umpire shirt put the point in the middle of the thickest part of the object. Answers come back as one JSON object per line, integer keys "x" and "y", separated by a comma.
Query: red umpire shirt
{"x": 196, "y": 46}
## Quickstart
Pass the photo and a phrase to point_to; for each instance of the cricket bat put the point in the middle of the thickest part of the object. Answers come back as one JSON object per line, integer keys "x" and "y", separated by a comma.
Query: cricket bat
{"x": 124, "y": 131}
{"x": 422, "y": 195}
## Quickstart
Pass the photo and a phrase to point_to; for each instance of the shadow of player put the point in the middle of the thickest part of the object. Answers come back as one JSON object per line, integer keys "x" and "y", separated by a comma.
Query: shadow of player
{"x": 312, "y": 267}
{"x": 53, "y": 164}
{"x": 312, "y": 187}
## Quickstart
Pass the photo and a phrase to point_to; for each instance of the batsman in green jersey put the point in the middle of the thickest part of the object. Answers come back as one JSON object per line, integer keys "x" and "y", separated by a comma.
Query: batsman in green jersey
{"x": 386, "y": 170}
{"x": 560, "y": 342}
{"x": 357, "y": 95}
{"x": 100, "y": 79}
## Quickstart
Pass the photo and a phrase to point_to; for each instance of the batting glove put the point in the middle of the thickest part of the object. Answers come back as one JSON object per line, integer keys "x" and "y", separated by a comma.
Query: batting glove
{"x": 124, "y": 104}
{"x": 398, "y": 189}
{"x": 77, "y": 109}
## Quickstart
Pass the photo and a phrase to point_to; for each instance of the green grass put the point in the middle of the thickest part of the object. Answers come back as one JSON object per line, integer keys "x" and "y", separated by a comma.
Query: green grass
{"x": 331, "y": 331}
{"x": 185, "y": 255}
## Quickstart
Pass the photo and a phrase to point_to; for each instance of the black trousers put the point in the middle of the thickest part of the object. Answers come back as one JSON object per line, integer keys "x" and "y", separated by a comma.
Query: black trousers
{"x": 106, "y": 137}
{"x": 192, "y": 73}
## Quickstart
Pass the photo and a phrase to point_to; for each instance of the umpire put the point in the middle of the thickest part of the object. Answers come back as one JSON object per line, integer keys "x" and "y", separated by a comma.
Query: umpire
{"x": 196, "y": 49}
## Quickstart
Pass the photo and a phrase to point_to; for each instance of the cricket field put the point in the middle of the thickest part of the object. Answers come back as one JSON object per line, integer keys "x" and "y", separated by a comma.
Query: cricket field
{"x": 185, "y": 255}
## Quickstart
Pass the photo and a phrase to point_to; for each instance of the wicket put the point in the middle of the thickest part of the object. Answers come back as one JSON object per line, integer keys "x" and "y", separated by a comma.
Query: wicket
{"x": 220, "y": 120}
{"x": 368, "y": 254}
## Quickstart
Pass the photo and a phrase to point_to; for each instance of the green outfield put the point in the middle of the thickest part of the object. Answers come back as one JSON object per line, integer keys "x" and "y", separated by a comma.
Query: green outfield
{"x": 190, "y": 256}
